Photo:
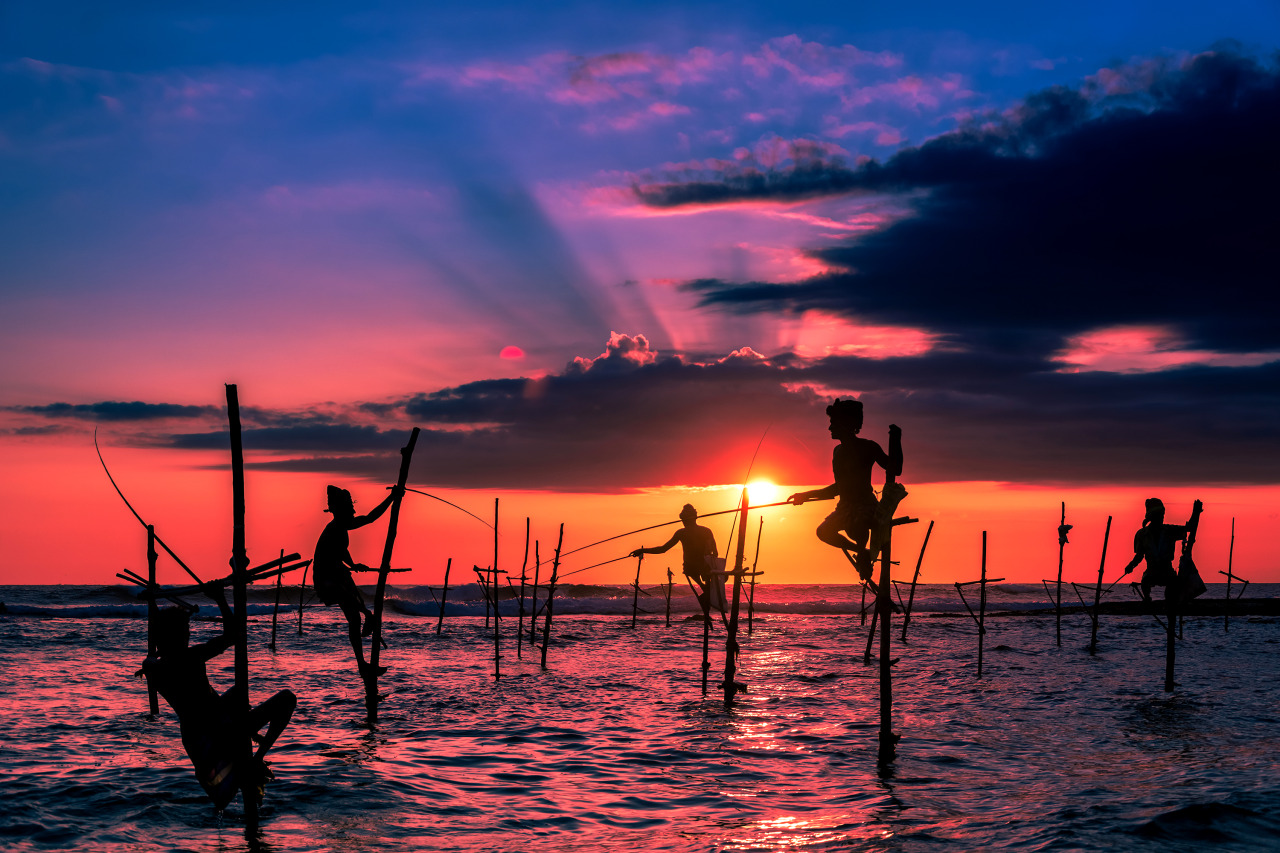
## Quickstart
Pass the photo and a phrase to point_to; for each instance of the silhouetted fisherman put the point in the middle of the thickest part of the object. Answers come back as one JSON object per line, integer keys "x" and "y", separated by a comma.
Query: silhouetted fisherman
{"x": 850, "y": 526}
{"x": 1154, "y": 543}
{"x": 214, "y": 727}
{"x": 332, "y": 565}
{"x": 701, "y": 559}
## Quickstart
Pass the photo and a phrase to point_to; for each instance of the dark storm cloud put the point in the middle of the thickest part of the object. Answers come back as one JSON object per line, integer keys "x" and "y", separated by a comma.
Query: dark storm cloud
{"x": 108, "y": 411}
{"x": 313, "y": 437}
{"x": 623, "y": 422}
{"x": 1146, "y": 196}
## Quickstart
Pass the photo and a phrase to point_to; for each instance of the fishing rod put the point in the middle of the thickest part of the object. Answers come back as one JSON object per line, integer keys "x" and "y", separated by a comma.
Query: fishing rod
{"x": 450, "y": 503}
{"x": 159, "y": 541}
{"x": 669, "y": 523}
{"x": 750, "y": 465}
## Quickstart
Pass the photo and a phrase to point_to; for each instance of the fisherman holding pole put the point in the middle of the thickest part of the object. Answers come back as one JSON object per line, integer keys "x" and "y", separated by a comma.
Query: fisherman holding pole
{"x": 1154, "y": 543}
{"x": 333, "y": 565}
{"x": 213, "y": 726}
{"x": 700, "y": 559}
{"x": 850, "y": 526}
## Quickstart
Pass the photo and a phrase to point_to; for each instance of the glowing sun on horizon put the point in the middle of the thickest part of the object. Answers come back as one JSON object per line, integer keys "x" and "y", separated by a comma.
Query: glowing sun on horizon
{"x": 764, "y": 492}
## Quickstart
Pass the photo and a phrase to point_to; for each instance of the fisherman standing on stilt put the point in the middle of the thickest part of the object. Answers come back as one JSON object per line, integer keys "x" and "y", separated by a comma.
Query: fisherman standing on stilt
{"x": 701, "y": 559}
{"x": 850, "y": 526}
{"x": 1154, "y": 543}
{"x": 332, "y": 567}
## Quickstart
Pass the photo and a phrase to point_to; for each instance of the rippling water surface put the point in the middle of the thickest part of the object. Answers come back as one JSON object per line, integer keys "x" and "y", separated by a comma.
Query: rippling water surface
{"x": 615, "y": 748}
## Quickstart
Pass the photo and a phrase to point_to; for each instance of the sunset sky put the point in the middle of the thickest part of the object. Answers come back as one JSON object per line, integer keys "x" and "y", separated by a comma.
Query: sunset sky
{"x": 601, "y": 252}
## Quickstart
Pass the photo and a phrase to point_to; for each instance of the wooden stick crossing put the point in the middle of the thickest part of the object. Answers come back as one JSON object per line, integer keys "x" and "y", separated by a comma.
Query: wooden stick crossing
{"x": 1097, "y": 595}
{"x": 906, "y": 614}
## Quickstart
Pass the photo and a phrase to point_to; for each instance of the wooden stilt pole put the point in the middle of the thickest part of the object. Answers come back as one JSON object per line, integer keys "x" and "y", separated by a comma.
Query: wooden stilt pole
{"x": 755, "y": 569}
{"x": 497, "y": 633}
{"x": 551, "y": 597}
{"x": 1226, "y": 617}
{"x": 524, "y": 565}
{"x": 670, "y": 581}
{"x": 302, "y": 596}
{"x": 982, "y": 604}
{"x": 731, "y": 685}
{"x": 533, "y": 605}
{"x": 246, "y": 771}
{"x": 1097, "y": 593}
{"x": 863, "y": 611}
{"x": 635, "y": 593}
{"x": 275, "y": 612}
{"x": 906, "y": 616}
{"x": 443, "y": 594}
{"x": 371, "y": 676}
{"x": 871, "y": 636}
{"x": 705, "y": 601}
{"x": 153, "y": 608}
{"x": 884, "y": 606}
{"x": 1062, "y": 544}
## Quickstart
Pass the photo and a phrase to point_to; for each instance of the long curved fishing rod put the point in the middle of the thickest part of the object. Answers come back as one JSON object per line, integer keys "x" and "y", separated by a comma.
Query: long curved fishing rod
{"x": 729, "y": 542}
{"x": 450, "y": 503}
{"x": 159, "y": 541}
{"x": 668, "y": 524}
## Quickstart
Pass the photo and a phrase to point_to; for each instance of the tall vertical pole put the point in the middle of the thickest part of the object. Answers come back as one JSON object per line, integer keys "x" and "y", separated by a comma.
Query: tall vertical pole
{"x": 731, "y": 685}
{"x": 371, "y": 680}
{"x": 884, "y": 607}
{"x": 533, "y": 604}
{"x": 497, "y": 635}
{"x": 635, "y": 593}
{"x": 443, "y": 594}
{"x": 1097, "y": 593}
{"x": 551, "y": 597}
{"x": 524, "y": 565}
{"x": 275, "y": 613}
{"x": 302, "y": 594}
{"x": 153, "y": 608}
{"x": 1226, "y": 617}
{"x": 982, "y": 603}
{"x": 906, "y": 616}
{"x": 247, "y": 773}
{"x": 669, "y": 583}
{"x": 1062, "y": 544}
{"x": 755, "y": 568}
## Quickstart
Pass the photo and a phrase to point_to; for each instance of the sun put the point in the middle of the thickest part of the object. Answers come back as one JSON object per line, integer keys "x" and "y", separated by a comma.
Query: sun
{"x": 763, "y": 492}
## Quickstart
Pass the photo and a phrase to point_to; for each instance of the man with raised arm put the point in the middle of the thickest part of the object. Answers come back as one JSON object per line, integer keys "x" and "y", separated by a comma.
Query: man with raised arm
{"x": 1154, "y": 543}
{"x": 700, "y": 559}
{"x": 332, "y": 566}
{"x": 214, "y": 727}
{"x": 850, "y": 526}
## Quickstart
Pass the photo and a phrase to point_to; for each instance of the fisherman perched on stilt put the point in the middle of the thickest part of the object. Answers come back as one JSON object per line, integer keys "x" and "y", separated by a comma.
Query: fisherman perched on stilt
{"x": 1154, "y": 543}
{"x": 701, "y": 559}
{"x": 332, "y": 567}
{"x": 858, "y": 515}
{"x": 214, "y": 727}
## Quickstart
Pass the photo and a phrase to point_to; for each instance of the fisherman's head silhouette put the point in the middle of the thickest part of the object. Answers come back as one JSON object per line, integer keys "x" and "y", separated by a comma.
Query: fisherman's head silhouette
{"x": 846, "y": 418}
{"x": 340, "y": 503}
{"x": 688, "y": 514}
{"x": 1155, "y": 511}
{"x": 172, "y": 629}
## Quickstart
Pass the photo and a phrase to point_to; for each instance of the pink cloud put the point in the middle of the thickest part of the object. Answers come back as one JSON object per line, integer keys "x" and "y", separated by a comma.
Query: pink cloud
{"x": 1144, "y": 349}
{"x": 911, "y": 92}
{"x": 884, "y": 134}
{"x": 625, "y": 349}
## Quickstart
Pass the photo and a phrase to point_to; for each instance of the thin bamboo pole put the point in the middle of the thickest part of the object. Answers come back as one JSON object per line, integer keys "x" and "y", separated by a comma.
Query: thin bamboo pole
{"x": 906, "y": 616}
{"x": 524, "y": 565}
{"x": 302, "y": 595}
{"x": 393, "y": 522}
{"x": 443, "y": 594}
{"x": 670, "y": 581}
{"x": 153, "y": 609}
{"x": 888, "y": 746}
{"x": 246, "y": 772}
{"x": 731, "y": 685}
{"x": 1062, "y": 544}
{"x": 275, "y": 612}
{"x": 1097, "y": 593}
{"x": 533, "y": 604}
{"x": 982, "y": 604}
{"x": 862, "y": 612}
{"x": 871, "y": 636}
{"x": 497, "y": 633}
{"x": 1226, "y": 617}
{"x": 755, "y": 568}
{"x": 705, "y": 601}
{"x": 551, "y": 596}
{"x": 635, "y": 592}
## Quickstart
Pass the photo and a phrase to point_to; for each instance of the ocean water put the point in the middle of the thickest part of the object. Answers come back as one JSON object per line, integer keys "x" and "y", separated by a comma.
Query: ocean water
{"x": 614, "y": 747}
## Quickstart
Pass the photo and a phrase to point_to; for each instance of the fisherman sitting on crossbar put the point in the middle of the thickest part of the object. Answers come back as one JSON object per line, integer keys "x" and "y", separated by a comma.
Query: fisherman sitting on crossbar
{"x": 701, "y": 561}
